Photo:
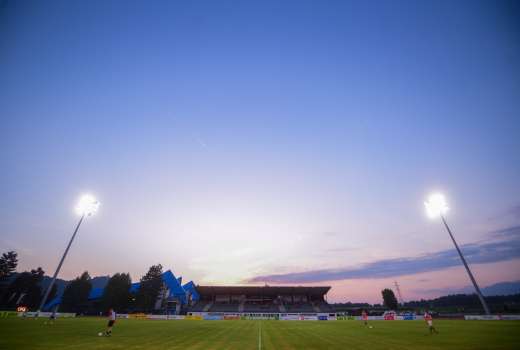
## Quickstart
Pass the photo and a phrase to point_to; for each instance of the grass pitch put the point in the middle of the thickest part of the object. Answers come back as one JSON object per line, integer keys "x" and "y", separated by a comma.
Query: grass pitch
{"x": 82, "y": 333}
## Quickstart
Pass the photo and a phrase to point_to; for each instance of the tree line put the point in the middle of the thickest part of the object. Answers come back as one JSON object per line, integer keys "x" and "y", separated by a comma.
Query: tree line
{"x": 26, "y": 289}
{"x": 449, "y": 304}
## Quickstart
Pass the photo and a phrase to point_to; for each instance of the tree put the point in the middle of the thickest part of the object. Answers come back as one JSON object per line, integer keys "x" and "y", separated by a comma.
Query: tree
{"x": 117, "y": 292}
{"x": 25, "y": 289}
{"x": 389, "y": 299}
{"x": 8, "y": 263}
{"x": 76, "y": 294}
{"x": 150, "y": 286}
{"x": 34, "y": 292}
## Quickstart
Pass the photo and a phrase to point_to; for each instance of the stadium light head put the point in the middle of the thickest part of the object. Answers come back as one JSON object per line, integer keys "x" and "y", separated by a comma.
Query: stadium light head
{"x": 87, "y": 205}
{"x": 436, "y": 205}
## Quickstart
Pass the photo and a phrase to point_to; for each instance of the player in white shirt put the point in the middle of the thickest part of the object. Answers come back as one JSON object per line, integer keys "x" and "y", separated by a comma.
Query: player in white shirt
{"x": 111, "y": 321}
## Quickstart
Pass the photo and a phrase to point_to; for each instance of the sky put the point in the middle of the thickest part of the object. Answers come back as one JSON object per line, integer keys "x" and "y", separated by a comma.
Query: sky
{"x": 253, "y": 142}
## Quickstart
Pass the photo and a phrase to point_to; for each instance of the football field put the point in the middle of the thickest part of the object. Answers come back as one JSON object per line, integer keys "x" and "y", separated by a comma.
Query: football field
{"x": 82, "y": 333}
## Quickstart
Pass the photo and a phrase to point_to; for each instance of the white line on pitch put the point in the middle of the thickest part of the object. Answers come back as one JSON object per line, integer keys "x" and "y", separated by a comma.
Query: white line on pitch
{"x": 260, "y": 335}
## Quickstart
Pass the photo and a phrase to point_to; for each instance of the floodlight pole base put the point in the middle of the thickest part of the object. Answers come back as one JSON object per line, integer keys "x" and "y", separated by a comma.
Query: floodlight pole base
{"x": 477, "y": 289}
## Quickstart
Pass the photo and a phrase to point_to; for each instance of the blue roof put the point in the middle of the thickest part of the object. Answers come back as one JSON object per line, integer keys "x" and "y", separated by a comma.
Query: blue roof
{"x": 190, "y": 288}
{"x": 51, "y": 304}
{"x": 95, "y": 293}
{"x": 134, "y": 288}
{"x": 174, "y": 285}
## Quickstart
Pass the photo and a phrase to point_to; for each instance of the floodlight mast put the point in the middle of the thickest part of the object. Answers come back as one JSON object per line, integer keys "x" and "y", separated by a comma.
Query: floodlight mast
{"x": 475, "y": 284}
{"x": 86, "y": 207}
{"x": 437, "y": 207}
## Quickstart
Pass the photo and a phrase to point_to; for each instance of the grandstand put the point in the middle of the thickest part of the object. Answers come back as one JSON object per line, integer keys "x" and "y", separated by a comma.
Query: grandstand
{"x": 176, "y": 298}
{"x": 265, "y": 299}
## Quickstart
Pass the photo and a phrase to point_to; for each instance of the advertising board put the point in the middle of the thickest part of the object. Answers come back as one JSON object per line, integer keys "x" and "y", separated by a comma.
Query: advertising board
{"x": 193, "y": 317}
{"x": 212, "y": 317}
{"x": 231, "y": 317}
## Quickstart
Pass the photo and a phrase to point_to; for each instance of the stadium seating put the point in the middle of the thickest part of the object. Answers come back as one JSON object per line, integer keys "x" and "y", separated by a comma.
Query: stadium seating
{"x": 324, "y": 307}
{"x": 261, "y": 299}
{"x": 300, "y": 307}
{"x": 199, "y": 306}
{"x": 260, "y": 308}
{"x": 224, "y": 307}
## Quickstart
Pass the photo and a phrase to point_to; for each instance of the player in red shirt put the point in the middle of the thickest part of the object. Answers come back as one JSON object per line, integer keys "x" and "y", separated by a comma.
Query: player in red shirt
{"x": 429, "y": 320}
{"x": 364, "y": 317}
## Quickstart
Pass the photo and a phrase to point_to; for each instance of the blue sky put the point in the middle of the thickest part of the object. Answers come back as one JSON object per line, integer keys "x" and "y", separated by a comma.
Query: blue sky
{"x": 236, "y": 139}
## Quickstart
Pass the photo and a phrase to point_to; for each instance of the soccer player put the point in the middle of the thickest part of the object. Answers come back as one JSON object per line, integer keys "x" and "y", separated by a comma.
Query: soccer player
{"x": 364, "y": 317}
{"x": 52, "y": 317}
{"x": 111, "y": 321}
{"x": 429, "y": 320}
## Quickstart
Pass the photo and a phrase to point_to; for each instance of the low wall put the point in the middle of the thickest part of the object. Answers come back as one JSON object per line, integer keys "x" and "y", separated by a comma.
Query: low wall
{"x": 491, "y": 317}
{"x": 46, "y": 314}
{"x": 295, "y": 316}
{"x": 165, "y": 317}
{"x": 213, "y": 316}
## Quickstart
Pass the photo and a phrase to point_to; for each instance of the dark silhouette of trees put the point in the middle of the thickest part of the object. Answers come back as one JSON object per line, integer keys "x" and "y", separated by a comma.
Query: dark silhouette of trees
{"x": 8, "y": 263}
{"x": 116, "y": 294}
{"x": 75, "y": 296}
{"x": 151, "y": 285}
{"x": 25, "y": 289}
{"x": 389, "y": 299}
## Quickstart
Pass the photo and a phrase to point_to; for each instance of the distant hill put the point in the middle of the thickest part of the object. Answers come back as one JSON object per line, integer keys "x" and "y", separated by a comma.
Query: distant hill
{"x": 500, "y": 297}
{"x": 501, "y": 288}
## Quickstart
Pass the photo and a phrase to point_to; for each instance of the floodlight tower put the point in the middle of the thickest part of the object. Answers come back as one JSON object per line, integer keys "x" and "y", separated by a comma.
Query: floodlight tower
{"x": 436, "y": 206}
{"x": 87, "y": 206}
{"x": 399, "y": 292}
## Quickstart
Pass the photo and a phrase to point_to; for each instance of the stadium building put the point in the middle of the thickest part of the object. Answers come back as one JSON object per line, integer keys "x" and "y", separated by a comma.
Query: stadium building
{"x": 177, "y": 298}
{"x": 174, "y": 296}
{"x": 264, "y": 299}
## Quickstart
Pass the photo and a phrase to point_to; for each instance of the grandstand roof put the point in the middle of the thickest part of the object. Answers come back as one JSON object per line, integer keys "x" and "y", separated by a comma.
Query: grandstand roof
{"x": 174, "y": 285}
{"x": 191, "y": 288}
{"x": 261, "y": 290}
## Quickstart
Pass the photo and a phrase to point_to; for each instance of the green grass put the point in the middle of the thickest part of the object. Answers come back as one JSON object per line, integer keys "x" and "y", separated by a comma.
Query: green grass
{"x": 81, "y": 333}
